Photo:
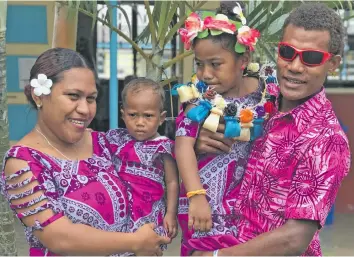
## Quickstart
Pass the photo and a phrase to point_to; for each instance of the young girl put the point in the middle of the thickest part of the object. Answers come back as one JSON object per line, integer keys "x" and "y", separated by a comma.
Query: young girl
{"x": 144, "y": 159}
{"x": 228, "y": 91}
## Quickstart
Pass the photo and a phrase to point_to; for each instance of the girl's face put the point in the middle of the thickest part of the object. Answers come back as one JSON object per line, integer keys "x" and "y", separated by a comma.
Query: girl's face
{"x": 218, "y": 67}
{"x": 142, "y": 114}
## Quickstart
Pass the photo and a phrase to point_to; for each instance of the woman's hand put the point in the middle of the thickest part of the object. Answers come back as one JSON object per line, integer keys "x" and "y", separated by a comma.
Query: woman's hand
{"x": 214, "y": 143}
{"x": 148, "y": 242}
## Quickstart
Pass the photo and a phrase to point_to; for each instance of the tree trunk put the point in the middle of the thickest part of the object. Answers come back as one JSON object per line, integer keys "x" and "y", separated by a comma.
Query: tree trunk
{"x": 65, "y": 27}
{"x": 153, "y": 72}
{"x": 7, "y": 231}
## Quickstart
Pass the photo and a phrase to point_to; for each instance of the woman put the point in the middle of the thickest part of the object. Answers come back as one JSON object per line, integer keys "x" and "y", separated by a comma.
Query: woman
{"x": 59, "y": 178}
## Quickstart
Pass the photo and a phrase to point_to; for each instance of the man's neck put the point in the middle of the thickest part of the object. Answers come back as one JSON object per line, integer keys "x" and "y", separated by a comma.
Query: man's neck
{"x": 287, "y": 105}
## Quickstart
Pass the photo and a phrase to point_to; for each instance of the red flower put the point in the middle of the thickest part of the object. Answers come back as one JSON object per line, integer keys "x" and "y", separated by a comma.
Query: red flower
{"x": 247, "y": 36}
{"x": 220, "y": 22}
{"x": 193, "y": 25}
{"x": 269, "y": 107}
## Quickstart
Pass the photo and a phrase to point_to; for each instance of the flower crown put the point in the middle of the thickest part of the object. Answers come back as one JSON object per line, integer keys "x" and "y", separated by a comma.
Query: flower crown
{"x": 196, "y": 27}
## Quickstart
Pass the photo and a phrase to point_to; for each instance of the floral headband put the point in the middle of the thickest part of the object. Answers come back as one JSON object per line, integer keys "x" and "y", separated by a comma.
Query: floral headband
{"x": 41, "y": 85}
{"x": 196, "y": 27}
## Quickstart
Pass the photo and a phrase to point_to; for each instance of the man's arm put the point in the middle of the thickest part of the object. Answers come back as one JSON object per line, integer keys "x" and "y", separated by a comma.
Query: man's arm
{"x": 291, "y": 239}
{"x": 213, "y": 142}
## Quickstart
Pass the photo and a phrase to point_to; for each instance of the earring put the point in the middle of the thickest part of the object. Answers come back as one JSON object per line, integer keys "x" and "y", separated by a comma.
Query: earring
{"x": 243, "y": 67}
{"x": 39, "y": 106}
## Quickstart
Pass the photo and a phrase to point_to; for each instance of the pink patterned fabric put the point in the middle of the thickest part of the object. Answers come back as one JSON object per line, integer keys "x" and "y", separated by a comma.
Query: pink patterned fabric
{"x": 294, "y": 171}
{"x": 140, "y": 165}
{"x": 87, "y": 191}
{"x": 220, "y": 176}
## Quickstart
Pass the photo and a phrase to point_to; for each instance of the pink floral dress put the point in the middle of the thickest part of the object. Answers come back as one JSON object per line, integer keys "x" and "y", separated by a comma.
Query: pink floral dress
{"x": 140, "y": 165}
{"x": 86, "y": 191}
{"x": 220, "y": 176}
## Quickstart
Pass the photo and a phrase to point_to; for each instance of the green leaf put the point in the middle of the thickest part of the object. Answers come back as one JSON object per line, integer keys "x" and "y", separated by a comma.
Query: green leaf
{"x": 126, "y": 18}
{"x": 180, "y": 23}
{"x": 203, "y": 34}
{"x": 164, "y": 8}
{"x": 171, "y": 13}
{"x": 216, "y": 32}
{"x": 204, "y": 14}
{"x": 240, "y": 48}
{"x": 238, "y": 24}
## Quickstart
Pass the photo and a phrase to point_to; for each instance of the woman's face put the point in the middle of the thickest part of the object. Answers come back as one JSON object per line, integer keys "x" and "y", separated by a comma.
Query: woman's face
{"x": 69, "y": 109}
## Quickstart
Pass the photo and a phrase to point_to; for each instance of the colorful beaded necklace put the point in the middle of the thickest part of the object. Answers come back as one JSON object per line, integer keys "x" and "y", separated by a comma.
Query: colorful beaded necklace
{"x": 242, "y": 122}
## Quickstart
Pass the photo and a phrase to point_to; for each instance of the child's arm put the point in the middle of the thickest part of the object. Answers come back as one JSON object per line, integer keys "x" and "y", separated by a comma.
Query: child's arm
{"x": 199, "y": 213}
{"x": 172, "y": 188}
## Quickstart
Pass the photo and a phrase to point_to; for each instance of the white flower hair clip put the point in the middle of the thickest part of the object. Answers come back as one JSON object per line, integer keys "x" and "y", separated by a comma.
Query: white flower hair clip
{"x": 41, "y": 85}
{"x": 238, "y": 11}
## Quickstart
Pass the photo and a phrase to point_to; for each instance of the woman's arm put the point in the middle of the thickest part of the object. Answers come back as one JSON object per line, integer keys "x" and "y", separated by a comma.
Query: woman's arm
{"x": 62, "y": 236}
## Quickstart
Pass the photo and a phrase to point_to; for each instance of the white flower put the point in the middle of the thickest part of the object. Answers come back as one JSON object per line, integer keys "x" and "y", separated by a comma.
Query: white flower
{"x": 41, "y": 85}
{"x": 238, "y": 10}
{"x": 253, "y": 66}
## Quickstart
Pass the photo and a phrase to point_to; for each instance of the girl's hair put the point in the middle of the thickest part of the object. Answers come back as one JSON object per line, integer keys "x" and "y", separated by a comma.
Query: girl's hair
{"x": 226, "y": 40}
{"x": 140, "y": 84}
{"x": 53, "y": 63}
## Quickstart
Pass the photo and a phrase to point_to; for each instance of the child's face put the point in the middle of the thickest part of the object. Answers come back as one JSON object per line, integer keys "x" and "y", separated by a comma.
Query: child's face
{"x": 142, "y": 114}
{"x": 218, "y": 67}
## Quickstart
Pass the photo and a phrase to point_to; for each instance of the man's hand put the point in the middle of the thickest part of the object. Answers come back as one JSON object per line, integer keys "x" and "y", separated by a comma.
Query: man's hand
{"x": 214, "y": 143}
{"x": 200, "y": 253}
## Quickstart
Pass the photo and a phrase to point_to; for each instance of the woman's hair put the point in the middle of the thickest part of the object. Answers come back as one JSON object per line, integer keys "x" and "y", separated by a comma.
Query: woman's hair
{"x": 53, "y": 63}
{"x": 226, "y": 40}
{"x": 141, "y": 84}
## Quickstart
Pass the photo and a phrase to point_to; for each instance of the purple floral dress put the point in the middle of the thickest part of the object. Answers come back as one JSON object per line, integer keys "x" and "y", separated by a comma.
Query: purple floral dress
{"x": 140, "y": 165}
{"x": 220, "y": 176}
{"x": 86, "y": 191}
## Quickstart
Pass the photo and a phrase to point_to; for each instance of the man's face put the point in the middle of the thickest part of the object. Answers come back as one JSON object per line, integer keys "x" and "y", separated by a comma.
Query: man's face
{"x": 298, "y": 81}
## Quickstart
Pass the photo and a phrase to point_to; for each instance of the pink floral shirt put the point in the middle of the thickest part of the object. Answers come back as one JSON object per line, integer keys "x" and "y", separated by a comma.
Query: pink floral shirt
{"x": 294, "y": 171}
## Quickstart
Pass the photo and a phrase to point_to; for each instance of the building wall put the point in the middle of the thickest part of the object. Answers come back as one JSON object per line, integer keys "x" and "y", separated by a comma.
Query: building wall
{"x": 343, "y": 102}
{"x": 29, "y": 33}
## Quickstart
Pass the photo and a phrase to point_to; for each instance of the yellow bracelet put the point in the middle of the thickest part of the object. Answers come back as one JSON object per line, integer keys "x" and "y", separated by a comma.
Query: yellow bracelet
{"x": 196, "y": 192}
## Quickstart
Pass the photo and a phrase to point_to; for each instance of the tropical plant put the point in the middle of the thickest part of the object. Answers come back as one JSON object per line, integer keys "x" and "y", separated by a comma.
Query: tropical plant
{"x": 7, "y": 231}
{"x": 266, "y": 16}
{"x": 159, "y": 32}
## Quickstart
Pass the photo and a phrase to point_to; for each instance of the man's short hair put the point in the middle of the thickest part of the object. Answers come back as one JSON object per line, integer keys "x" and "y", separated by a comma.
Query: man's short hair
{"x": 318, "y": 16}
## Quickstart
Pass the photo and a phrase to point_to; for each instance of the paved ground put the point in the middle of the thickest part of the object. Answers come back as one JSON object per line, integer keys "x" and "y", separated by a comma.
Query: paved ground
{"x": 336, "y": 240}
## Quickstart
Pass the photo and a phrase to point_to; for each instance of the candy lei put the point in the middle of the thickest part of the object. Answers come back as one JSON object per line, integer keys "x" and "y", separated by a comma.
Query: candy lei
{"x": 242, "y": 122}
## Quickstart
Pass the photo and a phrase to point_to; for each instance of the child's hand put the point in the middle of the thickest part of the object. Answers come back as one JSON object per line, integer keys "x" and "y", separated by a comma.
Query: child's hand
{"x": 199, "y": 214}
{"x": 170, "y": 225}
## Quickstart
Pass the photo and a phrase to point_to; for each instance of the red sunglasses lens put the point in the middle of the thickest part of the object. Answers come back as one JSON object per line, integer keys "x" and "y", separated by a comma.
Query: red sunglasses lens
{"x": 309, "y": 57}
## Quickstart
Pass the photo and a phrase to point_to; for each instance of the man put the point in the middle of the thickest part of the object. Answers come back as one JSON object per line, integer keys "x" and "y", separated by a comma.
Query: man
{"x": 295, "y": 170}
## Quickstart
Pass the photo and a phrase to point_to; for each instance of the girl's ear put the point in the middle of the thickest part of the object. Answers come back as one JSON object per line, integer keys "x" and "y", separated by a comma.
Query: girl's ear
{"x": 245, "y": 59}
